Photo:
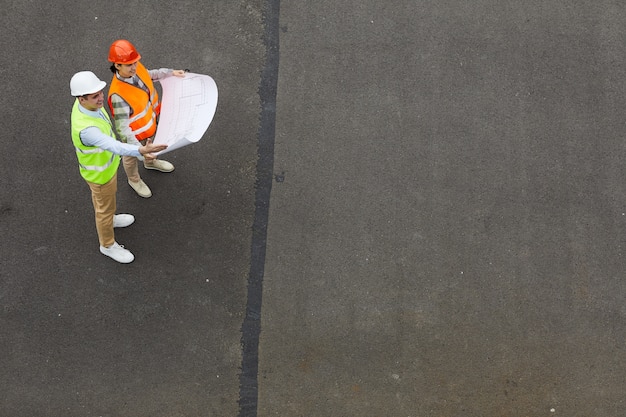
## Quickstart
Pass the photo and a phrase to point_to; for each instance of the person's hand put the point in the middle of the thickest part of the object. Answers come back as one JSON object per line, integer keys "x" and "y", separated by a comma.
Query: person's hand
{"x": 149, "y": 156}
{"x": 178, "y": 73}
{"x": 149, "y": 149}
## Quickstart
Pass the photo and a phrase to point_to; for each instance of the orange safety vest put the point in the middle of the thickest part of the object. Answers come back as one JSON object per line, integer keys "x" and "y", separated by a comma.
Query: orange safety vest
{"x": 144, "y": 108}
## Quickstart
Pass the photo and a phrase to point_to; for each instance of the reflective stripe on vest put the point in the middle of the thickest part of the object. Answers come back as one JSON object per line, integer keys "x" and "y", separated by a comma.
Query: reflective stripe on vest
{"x": 99, "y": 168}
{"x": 148, "y": 125}
{"x": 96, "y": 150}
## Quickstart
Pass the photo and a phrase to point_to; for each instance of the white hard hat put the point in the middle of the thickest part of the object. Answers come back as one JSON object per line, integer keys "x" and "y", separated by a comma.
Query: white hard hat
{"x": 85, "y": 82}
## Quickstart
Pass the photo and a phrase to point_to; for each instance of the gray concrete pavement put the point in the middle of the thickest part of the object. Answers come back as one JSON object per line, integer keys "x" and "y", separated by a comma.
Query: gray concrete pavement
{"x": 445, "y": 238}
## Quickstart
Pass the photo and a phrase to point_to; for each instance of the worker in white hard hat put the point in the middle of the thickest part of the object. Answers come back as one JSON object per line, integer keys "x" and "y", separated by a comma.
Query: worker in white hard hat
{"x": 98, "y": 153}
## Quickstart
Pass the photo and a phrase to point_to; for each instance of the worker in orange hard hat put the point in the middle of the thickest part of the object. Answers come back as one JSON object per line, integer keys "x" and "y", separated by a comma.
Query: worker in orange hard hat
{"x": 135, "y": 106}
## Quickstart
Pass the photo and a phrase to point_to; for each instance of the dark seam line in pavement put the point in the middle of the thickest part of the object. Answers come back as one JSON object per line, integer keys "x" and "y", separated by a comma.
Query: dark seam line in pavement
{"x": 251, "y": 327}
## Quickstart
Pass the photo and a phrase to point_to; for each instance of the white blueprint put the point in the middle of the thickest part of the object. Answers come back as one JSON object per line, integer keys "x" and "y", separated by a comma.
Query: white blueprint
{"x": 187, "y": 108}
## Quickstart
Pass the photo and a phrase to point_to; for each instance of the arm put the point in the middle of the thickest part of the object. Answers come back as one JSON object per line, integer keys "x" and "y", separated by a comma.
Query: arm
{"x": 121, "y": 110}
{"x": 92, "y": 136}
{"x": 159, "y": 74}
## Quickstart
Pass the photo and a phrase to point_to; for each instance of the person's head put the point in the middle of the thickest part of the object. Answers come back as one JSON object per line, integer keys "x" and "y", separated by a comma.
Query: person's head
{"x": 88, "y": 89}
{"x": 124, "y": 58}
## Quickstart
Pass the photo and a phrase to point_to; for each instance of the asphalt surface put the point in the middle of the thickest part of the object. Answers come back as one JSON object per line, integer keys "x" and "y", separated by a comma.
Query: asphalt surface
{"x": 402, "y": 208}
{"x": 83, "y": 335}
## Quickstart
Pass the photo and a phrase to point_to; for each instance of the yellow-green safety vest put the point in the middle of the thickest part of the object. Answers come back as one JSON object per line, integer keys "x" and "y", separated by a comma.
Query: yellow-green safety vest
{"x": 96, "y": 165}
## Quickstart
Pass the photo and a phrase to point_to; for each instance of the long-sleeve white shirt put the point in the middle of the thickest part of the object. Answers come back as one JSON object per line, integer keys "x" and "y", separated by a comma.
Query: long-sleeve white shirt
{"x": 93, "y": 136}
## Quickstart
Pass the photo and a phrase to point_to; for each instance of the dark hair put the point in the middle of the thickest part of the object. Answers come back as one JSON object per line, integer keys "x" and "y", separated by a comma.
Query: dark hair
{"x": 113, "y": 69}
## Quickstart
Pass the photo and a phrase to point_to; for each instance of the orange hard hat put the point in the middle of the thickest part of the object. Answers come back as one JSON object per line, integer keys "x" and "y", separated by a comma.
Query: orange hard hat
{"x": 123, "y": 52}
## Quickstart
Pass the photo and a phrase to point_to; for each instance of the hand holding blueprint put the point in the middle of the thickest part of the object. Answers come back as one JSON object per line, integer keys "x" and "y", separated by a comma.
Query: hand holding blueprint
{"x": 187, "y": 108}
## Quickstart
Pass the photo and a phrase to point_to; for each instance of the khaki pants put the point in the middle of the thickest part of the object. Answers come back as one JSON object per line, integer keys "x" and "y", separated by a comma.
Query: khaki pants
{"x": 130, "y": 165}
{"x": 104, "y": 205}
{"x": 131, "y": 168}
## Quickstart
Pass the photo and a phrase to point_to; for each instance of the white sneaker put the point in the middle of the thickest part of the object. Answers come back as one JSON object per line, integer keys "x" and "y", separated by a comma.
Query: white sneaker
{"x": 123, "y": 220}
{"x": 117, "y": 252}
